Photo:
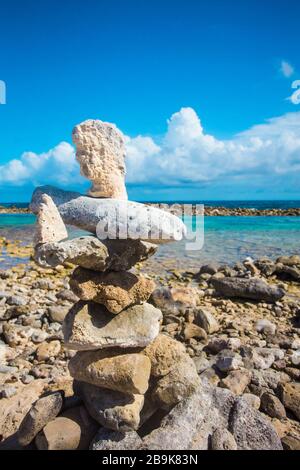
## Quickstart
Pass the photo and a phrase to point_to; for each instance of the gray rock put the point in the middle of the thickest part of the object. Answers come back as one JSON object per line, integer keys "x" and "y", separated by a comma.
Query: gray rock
{"x": 228, "y": 360}
{"x": 102, "y": 216}
{"x": 57, "y": 313}
{"x": 251, "y": 430}
{"x": 91, "y": 253}
{"x": 255, "y": 289}
{"x": 90, "y": 326}
{"x": 112, "y": 409}
{"x": 106, "y": 439}
{"x": 205, "y": 319}
{"x": 44, "y": 410}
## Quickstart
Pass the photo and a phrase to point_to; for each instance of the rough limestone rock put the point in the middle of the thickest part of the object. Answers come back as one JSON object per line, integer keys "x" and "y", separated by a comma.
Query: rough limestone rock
{"x": 164, "y": 352}
{"x": 115, "y": 290}
{"x": 107, "y": 439}
{"x": 43, "y": 410}
{"x": 72, "y": 430}
{"x": 49, "y": 225}
{"x": 90, "y": 326}
{"x": 14, "y": 409}
{"x": 178, "y": 384}
{"x": 113, "y": 219}
{"x": 127, "y": 373}
{"x": 91, "y": 253}
{"x": 251, "y": 430}
{"x": 100, "y": 151}
{"x": 255, "y": 289}
{"x": 113, "y": 410}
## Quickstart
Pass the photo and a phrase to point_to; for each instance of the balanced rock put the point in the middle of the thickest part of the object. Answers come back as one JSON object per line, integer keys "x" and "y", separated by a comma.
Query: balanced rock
{"x": 100, "y": 151}
{"x": 91, "y": 253}
{"x": 90, "y": 326}
{"x": 127, "y": 373}
{"x": 112, "y": 409}
{"x": 255, "y": 289}
{"x": 113, "y": 219}
{"x": 43, "y": 410}
{"x": 164, "y": 353}
{"x": 49, "y": 226}
{"x": 114, "y": 290}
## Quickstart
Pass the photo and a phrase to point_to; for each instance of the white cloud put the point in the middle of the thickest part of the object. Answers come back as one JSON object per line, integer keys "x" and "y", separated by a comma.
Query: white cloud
{"x": 184, "y": 155}
{"x": 295, "y": 97}
{"x": 286, "y": 69}
{"x": 58, "y": 165}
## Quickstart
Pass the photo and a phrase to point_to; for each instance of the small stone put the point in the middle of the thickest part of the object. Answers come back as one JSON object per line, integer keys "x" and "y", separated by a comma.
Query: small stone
{"x": 290, "y": 397}
{"x": 112, "y": 409}
{"x": 107, "y": 439}
{"x": 228, "y": 360}
{"x": 17, "y": 300}
{"x": 272, "y": 406}
{"x": 266, "y": 327}
{"x": 127, "y": 373}
{"x": 90, "y": 326}
{"x": 115, "y": 290}
{"x": 252, "y": 400}
{"x": 295, "y": 358}
{"x": 237, "y": 381}
{"x": 43, "y": 410}
{"x": 72, "y": 430}
{"x": 47, "y": 350}
{"x": 8, "y": 392}
{"x": 57, "y": 313}
{"x": 217, "y": 344}
{"x": 49, "y": 226}
{"x": 222, "y": 439}
{"x": 194, "y": 331}
{"x": 205, "y": 319}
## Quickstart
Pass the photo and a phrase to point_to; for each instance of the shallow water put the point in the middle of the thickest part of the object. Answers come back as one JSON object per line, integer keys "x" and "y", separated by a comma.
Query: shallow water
{"x": 226, "y": 239}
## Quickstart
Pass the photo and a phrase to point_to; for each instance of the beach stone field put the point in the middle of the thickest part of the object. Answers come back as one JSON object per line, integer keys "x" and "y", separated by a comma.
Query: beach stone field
{"x": 103, "y": 349}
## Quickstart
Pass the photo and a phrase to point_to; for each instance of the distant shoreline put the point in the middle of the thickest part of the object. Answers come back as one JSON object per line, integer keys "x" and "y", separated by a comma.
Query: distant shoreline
{"x": 191, "y": 209}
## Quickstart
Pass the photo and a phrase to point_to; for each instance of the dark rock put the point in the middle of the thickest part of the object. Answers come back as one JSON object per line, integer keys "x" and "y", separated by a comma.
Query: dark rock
{"x": 255, "y": 289}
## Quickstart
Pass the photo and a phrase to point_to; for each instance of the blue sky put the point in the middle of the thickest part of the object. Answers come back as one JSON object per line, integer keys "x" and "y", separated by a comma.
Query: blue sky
{"x": 199, "y": 89}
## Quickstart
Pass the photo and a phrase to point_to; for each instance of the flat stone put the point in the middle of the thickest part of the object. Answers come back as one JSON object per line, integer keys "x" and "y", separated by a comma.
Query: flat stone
{"x": 228, "y": 361}
{"x": 107, "y": 439}
{"x": 91, "y": 253}
{"x": 251, "y": 430}
{"x": 115, "y": 290}
{"x": 112, "y": 409}
{"x": 89, "y": 326}
{"x": 49, "y": 225}
{"x": 100, "y": 152}
{"x": 178, "y": 384}
{"x": 102, "y": 216}
{"x": 254, "y": 288}
{"x": 72, "y": 430}
{"x": 290, "y": 397}
{"x": 205, "y": 319}
{"x": 127, "y": 373}
{"x": 266, "y": 327}
{"x": 164, "y": 352}
{"x": 43, "y": 410}
{"x": 237, "y": 381}
{"x": 57, "y": 313}
{"x": 194, "y": 331}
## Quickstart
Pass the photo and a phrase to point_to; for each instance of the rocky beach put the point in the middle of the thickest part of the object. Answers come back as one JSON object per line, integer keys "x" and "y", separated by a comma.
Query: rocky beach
{"x": 106, "y": 345}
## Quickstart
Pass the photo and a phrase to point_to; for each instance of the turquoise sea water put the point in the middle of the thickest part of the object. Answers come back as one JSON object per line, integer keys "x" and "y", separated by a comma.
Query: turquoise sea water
{"x": 226, "y": 239}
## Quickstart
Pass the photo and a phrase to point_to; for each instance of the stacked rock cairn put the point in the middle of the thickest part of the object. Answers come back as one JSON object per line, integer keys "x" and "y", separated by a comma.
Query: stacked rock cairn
{"x": 124, "y": 370}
